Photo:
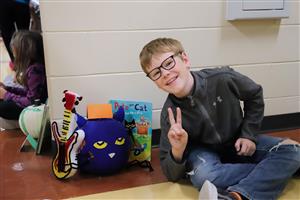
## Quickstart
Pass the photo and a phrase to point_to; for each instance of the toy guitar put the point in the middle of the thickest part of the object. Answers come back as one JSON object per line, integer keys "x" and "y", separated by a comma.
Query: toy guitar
{"x": 65, "y": 162}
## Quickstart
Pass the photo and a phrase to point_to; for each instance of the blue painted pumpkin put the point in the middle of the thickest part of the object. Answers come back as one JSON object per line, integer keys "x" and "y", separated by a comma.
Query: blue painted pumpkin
{"x": 106, "y": 145}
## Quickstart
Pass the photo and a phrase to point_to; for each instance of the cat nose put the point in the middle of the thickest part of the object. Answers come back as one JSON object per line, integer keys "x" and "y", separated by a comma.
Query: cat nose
{"x": 111, "y": 155}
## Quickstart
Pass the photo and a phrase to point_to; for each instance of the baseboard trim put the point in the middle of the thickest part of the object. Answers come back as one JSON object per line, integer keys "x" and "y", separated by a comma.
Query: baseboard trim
{"x": 271, "y": 123}
{"x": 282, "y": 122}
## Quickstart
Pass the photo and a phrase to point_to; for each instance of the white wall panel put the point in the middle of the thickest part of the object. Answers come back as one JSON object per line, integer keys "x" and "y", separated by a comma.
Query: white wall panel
{"x": 242, "y": 45}
{"x": 294, "y": 9}
{"x": 282, "y": 105}
{"x": 136, "y": 15}
{"x": 277, "y": 79}
{"x": 128, "y": 15}
{"x": 85, "y": 53}
{"x": 92, "y": 48}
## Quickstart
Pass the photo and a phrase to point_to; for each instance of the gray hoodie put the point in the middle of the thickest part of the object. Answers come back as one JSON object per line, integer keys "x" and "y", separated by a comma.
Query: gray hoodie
{"x": 212, "y": 115}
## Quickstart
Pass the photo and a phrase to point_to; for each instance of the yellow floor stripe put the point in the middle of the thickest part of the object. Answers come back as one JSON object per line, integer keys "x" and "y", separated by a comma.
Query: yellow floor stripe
{"x": 170, "y": 190}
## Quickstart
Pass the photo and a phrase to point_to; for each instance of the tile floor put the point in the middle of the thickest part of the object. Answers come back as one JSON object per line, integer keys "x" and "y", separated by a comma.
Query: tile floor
{"x": 25, "y": 175}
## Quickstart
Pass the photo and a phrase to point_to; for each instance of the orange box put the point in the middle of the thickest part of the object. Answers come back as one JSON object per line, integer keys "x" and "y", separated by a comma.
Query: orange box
{"x": 97, "y": 111}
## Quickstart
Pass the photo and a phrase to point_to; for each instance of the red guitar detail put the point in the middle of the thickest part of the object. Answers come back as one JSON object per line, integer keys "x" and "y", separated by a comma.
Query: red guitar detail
{"x": 68, "y": 142}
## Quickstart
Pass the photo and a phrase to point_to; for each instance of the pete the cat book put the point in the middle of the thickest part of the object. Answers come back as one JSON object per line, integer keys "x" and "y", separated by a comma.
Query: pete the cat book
{"x": 138, "y": 122}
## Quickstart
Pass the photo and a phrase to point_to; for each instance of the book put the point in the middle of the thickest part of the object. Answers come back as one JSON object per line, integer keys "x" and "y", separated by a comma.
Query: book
{"x": 138, "y": 122}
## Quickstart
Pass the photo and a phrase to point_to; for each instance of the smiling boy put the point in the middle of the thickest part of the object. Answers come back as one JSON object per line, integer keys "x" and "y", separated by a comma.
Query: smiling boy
{"x": 212, "y": 139}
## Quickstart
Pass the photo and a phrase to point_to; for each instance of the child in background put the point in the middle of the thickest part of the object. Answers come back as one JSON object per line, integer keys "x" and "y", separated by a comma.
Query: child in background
{"x": 206, "y": 136}
{"x": 27, "y": 47}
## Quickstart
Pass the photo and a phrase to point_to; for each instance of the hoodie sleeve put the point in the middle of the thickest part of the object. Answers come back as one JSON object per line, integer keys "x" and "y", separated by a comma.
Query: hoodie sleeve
{"x": 171, "y": 169}
{"x": 35, "y": 80}
{"x": 252, "y": 96}
{"x": 16, "y": 90}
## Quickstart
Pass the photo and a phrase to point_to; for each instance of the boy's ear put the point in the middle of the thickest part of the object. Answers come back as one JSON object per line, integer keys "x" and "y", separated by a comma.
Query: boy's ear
{"x": 185, "y": 59}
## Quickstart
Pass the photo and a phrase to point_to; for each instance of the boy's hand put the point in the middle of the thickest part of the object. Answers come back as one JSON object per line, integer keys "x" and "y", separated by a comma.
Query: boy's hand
{"x": 177, "y": 136}
{"x": 245, "y": 147}
{"x": 2, "y": 92}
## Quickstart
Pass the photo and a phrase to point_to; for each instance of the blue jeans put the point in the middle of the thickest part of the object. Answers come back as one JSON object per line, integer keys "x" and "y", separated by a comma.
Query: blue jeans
{"x": 260, "y": 176}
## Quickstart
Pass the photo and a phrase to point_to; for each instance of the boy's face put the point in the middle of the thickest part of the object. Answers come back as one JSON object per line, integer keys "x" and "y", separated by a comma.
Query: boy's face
{"x": 176, "y": 80}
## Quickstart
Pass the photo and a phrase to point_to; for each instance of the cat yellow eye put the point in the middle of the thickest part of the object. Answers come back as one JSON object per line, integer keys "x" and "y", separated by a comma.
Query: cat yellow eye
{"x": 100, "y": 145}
{"x": 120, "y": 141}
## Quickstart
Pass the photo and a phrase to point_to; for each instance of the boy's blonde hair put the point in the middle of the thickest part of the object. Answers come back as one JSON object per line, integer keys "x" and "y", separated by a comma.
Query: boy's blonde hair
{"x": 158, "y": 46}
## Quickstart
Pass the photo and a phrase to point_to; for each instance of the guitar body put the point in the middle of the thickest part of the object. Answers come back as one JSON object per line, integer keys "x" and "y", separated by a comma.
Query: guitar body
{"x": 65, "y": 163}
{"x": 68, "y": 141}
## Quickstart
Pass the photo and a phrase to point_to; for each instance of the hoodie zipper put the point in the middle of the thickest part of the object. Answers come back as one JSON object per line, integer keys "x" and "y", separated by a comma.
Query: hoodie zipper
{"x": 192, "y": 102}
{"x": 205, "y": 113}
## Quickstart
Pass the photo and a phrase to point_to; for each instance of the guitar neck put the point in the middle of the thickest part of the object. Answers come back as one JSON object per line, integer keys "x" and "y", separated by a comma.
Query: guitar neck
{"x": 67, "y": 123}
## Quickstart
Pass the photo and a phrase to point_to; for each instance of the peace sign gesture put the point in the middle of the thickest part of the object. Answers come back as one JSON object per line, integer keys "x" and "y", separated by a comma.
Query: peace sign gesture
{"x": 177, "y": 136}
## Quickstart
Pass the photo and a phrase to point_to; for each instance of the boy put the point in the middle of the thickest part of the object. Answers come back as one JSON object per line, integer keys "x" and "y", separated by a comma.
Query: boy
{"x": 211, "y": 138}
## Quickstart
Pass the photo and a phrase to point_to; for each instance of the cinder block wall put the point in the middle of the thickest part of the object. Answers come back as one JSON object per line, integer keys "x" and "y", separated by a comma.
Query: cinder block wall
{"x": 92, "y": 48}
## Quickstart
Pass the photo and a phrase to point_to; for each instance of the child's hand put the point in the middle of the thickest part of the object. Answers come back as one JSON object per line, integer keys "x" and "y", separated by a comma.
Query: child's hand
{"x": 177, "y": 136}
{"x": 2, "y": 92}
{"x": 245, "y": 147}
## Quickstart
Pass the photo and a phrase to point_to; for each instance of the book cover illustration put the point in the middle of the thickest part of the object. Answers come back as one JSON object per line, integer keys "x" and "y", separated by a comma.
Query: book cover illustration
{"x": 138, "y": 121}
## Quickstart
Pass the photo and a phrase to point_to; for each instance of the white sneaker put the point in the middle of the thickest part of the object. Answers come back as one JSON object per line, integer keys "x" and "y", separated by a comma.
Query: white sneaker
{"x": 208, "y": 191}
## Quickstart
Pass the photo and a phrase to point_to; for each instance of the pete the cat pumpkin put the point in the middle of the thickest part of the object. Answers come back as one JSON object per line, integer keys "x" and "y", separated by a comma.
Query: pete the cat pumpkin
{"x": 105, "y": 149}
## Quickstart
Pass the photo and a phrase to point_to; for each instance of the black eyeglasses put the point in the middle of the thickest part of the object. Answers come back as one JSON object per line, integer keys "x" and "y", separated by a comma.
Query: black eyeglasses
{"x": 167, "y": 64}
